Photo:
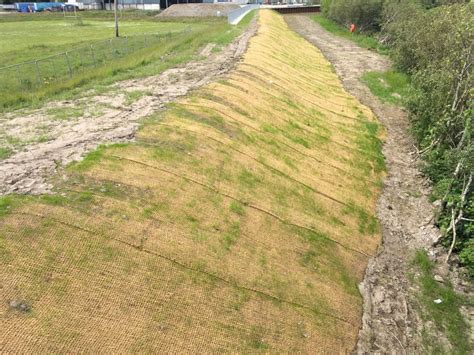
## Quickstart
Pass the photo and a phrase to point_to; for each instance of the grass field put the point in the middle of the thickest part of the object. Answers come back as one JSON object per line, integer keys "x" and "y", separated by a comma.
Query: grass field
{"x": 42, "y": 36}
{"x": 241, "y": 220}
{"x": 28, "y": 40}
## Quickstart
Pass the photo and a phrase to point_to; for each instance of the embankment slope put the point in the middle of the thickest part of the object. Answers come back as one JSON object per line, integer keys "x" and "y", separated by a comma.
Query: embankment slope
{"x": 242, "y": 219}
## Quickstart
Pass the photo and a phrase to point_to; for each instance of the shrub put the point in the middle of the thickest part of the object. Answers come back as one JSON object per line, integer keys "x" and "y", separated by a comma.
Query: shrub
{"x": 432, "y": 41}
{"x": 366, "y": 14}
{"x": 436, "y": 48}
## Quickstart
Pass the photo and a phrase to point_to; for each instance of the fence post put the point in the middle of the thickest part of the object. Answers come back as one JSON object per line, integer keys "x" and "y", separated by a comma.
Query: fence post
{"x": 38, "y": 72}
{"x": 93, "y": 56}
{"x": 111, "y": 48}
{"x": 19, "y": 76}
{"x": 80, "y": 57}
{"x": 68, "y": 65}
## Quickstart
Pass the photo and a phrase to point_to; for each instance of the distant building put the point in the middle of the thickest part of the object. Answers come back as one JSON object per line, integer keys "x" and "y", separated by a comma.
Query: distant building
{"x": 142, "y": 4}
{"x": 122, "y": 4}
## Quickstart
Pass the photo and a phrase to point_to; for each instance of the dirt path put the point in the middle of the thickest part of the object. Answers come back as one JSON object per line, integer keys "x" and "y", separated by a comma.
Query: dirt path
{"x": 390, "y": 320}
{"x": 61, "y": 132}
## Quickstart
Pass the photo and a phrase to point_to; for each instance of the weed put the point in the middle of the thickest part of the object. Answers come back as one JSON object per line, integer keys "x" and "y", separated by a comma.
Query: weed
{"x": 243, "y": 297}
{"x": 267, "y": 127}
{"x": 89, "y": 160}
{"x": 368, "y": 224}
{"x": 445, "y": 315}
{"x": 370, "y": 146}
{"x": 248, "y": 179}
{"x": 93, "y": 157}
{"x": 308, "y": 257}
{"x": 66, "y": 113}
{"x": 55, "y": 200}
{"x": 149, "y": 211}
{"x": 5, "y": 153}
{"x": 237, "y": 208}
{"x": 43, "y": 138}
{"x": 389, "y": 86}
{"x": 5, "y": 205}
{"x": 132, "y": 96}
{"x": 230, "y": 237}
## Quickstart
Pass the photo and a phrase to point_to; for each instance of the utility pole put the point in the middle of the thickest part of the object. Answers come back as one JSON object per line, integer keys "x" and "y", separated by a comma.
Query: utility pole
{"x": 116, "y": 19}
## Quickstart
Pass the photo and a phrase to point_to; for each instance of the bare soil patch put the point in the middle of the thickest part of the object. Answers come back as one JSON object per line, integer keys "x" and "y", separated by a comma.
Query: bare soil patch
{"x": 61, "y": 132}
{"x": 391, "y": 319}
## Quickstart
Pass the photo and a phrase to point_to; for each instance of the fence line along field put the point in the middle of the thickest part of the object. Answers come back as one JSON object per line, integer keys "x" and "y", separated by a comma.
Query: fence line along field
{"x": 46, "y": 55}
{"x": 43, "y": 50}
{"x": 62, "y": 66}
{"x": 23, "y": 41}
{"x": 225, "y": 226}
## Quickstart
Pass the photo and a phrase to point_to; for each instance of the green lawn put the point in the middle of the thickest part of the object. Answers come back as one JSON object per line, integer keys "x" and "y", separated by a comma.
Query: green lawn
{"x": 363, "y": 40}
{"x": 27, "y": 40}
{"x": 36, "y": 37}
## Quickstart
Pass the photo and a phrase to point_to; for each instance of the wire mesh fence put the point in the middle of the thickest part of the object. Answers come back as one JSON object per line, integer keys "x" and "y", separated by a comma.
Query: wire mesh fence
{"x": 37, "y": 73}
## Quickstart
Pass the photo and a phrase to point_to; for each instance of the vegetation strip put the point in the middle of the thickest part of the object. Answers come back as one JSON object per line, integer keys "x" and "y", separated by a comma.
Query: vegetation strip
{"x": 245, "y": 203}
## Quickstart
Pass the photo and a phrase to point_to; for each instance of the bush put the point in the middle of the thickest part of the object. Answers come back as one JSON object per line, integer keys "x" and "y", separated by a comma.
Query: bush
{"x": 432, "y": 41}
{"x": 365, "y": 14}
{"x": 436, "y": 48}
{"x": 325, "y": 6}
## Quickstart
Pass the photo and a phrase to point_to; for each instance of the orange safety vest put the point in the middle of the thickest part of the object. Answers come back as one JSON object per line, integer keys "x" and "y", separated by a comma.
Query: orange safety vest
{"x": 352, "y": 28}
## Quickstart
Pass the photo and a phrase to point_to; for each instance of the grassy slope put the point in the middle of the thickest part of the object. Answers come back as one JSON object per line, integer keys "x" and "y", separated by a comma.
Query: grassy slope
{"x": 148, "y": 61}
{"x": 241, "y": 220}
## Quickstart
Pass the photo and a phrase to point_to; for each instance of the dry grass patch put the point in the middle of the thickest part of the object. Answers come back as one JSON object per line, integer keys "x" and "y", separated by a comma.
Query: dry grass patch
{"x": 241, "y": 220}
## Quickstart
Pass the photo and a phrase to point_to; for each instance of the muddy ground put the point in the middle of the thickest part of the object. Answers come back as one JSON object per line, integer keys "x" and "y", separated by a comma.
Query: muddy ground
{"x": 48, "y": 138}
{"x": 391, "y": 319}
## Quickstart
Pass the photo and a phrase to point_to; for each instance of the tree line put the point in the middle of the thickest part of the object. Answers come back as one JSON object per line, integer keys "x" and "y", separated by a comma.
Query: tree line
{"x": 432, "y": 41}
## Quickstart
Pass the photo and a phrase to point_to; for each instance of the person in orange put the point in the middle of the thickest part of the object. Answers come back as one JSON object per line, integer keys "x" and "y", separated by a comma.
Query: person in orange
{"x": 352, "y": 28}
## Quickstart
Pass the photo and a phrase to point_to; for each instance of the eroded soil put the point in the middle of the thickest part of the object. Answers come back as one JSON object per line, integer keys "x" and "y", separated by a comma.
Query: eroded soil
{"x": 60, "y": 132}
{"x": 391, "y": 320}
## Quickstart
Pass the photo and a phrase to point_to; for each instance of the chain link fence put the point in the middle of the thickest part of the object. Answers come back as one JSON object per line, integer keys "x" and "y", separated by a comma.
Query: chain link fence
{"x": 37, "y": 73}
